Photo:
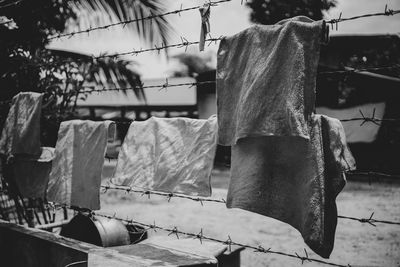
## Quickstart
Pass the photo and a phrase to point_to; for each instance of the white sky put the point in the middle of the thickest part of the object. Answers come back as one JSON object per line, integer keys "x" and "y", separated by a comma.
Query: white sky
{"x": 226, "y": 19}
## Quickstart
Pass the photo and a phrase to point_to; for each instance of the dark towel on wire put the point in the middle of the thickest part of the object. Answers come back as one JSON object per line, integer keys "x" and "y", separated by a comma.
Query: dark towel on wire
{"x": 294, "y": 180}
{"x": 266, "y": 80}
{"x": 21, "y": 132}
{"x": 20, "y": 141}
{"x": 32, "y": 173}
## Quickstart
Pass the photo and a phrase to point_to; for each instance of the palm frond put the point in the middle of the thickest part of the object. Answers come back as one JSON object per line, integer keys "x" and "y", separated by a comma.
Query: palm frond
{"x": 103, "y": 12}
{"x": 105, "y": 72}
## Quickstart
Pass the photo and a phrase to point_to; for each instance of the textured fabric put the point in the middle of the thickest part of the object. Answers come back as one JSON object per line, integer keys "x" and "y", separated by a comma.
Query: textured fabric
{"x": 171, "y": 155}
{"x": 21, "y": 132}
{"x": 32, "y": 174}
{"x": 335, "y": 143}
{"x": 266, "y": 80}
{"x": 293, "y": 179}
{"x": 354, "y": 133}
{"x": 79, "y": 157}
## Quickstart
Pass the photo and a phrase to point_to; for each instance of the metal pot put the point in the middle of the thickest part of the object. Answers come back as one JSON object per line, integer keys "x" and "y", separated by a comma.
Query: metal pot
{"x": 98, "y": 231}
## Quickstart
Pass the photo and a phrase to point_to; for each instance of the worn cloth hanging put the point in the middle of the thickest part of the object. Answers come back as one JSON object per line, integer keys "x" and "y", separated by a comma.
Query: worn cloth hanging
{"x": 266, "y": 80}
{"x": 21, "y": 131}
{"x": 205, "y": 24}
{"x": 32, "y": 174}
{"x": 170, "y": 155}
{"x": 294, "y": 180}
{"x": 76, "y": 173}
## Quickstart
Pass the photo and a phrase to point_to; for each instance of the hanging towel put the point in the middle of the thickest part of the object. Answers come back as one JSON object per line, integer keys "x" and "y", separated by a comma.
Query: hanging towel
{"x": 266, "y": 80}
{"x": 293, "y": 179}
{"x": 21, "y": 131}
{"x": 32, "y": 174}
{"x": 79, "y": 157}
{"x": 170, "y": 155}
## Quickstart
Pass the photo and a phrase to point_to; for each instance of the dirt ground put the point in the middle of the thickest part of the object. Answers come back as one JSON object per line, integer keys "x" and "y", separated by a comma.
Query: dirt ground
{"x": 356, "y": 244}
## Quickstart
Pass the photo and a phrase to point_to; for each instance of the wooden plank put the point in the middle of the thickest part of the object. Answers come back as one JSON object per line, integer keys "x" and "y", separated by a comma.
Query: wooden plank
{"x": 22, "y": 247}
{"x": 29, "y": 247}
{"x": 166, "y": 257}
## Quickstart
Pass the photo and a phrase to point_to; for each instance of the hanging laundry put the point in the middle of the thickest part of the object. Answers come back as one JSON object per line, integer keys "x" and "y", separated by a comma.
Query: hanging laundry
{"x": 170, "y": 155}
{"x": 32, "y": 174}
{"x": 79, "y": 157}
{"x": 293, "y": 179}
{"x": 205, "y": 24}
{"x": 21, "y": 131}
{"x": 266, "y": 80}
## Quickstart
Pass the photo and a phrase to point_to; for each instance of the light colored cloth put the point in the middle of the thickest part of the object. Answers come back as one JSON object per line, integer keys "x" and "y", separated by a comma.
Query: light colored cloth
{"x": 170, "y": 155}
{"x": 293, "y": 179}
{"x": 205, "y": 24}
{"x": 32, "y": 174}
{"x": 79, "y": 157}
{"x": 21, "y": 131}
{"x": 355, "y": 133}
{"x": 266, "y": 80}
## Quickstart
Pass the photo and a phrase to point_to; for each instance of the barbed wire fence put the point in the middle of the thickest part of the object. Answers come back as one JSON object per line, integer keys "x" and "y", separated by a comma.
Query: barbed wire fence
{"x": 166, "y": 85}
{"x": 126, "y": 22}
{"x": 174, "y": 231}
{"x": 168, "y": 196}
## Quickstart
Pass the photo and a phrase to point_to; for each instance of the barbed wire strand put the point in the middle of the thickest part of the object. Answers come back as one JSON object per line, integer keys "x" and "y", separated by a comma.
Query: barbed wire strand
{"x": 183, "y": 44}
{"x": 166, "y": 85}
{"x": 387, "y": 12}
{"x": 363, "y": 121}
{"x": 229, "y": 242}
{"x": 201, "y": 200}
{"x": 126, "y": 22}
{"x": 191, "y": 84}
{"x": 370, "y": 220}
{"x": 128, "y": 189}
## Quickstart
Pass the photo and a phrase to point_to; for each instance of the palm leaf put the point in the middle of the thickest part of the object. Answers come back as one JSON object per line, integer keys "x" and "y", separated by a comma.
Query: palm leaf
{"x": 105, "y": 72}
{"x": 103, "y": 12}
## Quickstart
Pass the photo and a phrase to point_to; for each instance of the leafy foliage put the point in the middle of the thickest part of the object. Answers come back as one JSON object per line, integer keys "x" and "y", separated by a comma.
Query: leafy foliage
{"x": 22, "y": 43}
{"x": 272, "y": 11}
{"x": 26, "y": 64}
{"x": 92, "y": 12}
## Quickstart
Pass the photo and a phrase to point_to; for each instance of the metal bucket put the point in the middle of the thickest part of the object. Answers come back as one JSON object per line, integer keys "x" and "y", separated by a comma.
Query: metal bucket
{"x": 98, "y": 231}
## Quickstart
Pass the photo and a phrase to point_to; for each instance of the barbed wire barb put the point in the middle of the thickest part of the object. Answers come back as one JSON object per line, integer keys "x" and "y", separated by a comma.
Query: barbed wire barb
{"x": 200, "y": 236}
{"x": 165, "y": 85}
{"x": 174, "y": 231}
{"x": 387, "y": 12}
